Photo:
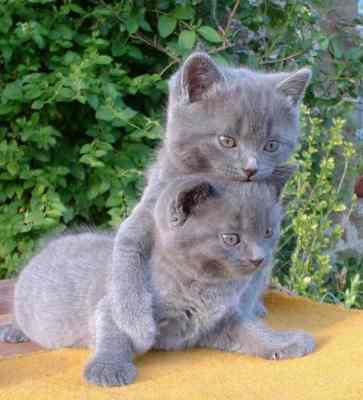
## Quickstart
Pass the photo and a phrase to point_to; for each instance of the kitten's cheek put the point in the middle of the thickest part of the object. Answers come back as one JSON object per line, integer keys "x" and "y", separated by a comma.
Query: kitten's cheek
{"x": 264, "y": 173}
{"x": 214, "y": 269}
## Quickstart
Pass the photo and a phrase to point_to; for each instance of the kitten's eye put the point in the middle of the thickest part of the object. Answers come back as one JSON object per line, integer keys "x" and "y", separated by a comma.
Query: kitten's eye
{"x": 226, "y": 141}
{"x": 230, "y": 239}
{"x": 268, "y": 233}
{"x": 271, "y": 146}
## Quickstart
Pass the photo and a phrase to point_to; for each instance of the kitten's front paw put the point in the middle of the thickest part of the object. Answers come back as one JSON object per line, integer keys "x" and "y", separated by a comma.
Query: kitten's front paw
{"x": 296, "y": 344}
{"x": 109, "y": 373}
{"x": 11, "y": 334}
{"x": 143, "y": 335}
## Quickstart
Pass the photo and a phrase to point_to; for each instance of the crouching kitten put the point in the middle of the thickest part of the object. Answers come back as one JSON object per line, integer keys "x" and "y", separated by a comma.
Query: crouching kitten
{"x": 209, "y": 239}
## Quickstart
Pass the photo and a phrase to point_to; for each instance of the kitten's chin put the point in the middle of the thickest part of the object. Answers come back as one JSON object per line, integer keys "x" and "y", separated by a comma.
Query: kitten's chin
{"x": 245, "y": 270}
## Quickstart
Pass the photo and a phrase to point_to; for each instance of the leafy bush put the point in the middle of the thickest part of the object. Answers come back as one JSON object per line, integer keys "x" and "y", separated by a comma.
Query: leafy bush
{"x": 82, "y": 94}
{"x": 79, "y": 114}
{"x": 313, "y": 204}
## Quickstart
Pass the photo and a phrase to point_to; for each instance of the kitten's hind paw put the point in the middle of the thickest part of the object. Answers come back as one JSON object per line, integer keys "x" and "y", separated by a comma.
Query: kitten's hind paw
{"x": 9, "y": 333}
{"x": 260, "y": 310}
{"x": 297, "y": 344}
{"x": 109, "y": 373}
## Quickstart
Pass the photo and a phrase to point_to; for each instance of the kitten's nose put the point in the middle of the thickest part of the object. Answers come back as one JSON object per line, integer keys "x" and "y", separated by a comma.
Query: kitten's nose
{"x": 257, "y": 261}
{"x": 249, "y": 172}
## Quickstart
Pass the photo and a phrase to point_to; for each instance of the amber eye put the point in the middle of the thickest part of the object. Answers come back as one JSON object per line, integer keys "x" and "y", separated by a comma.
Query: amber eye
{"x": 230, "y": 239}
{"x": 271, "y": 146}
{"x": 227, "y": 141}
{"x": 268, "y": 233}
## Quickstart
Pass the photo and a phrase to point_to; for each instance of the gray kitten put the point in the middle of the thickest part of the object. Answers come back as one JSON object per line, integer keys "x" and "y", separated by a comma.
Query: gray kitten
{"x": 228, "y": 122}
{"x": 210, "y": 237}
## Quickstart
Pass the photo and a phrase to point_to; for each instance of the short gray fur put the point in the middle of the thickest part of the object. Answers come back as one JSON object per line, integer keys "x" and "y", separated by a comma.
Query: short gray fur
{"x": 206, "y": 232}
{"x": 206, "y": 101}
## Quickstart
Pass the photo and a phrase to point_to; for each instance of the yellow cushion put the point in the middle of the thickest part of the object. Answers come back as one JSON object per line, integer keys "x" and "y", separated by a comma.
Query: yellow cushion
{"x": 333, "y": 372}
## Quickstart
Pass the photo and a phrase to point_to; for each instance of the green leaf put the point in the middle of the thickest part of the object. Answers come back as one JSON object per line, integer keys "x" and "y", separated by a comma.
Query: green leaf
{"x": 103, "y": 60}
{"x": 187, "y": 39}
{"x": 103, "y": 12}
{"x": 210, "y": 34}
{"x": 75, "y": 8}
{"x": 39, "y": 40}
{"x": 220, "y": 59}
{"x": 13, "y": 168}
{"x": 6, "y": 109}
{"x": 354, "y": 53}
{"x": 166, "y": 25}
{"x": 93, "y": 101}
{"x": 71, "y": 57}
{"x": 86, "y": 148}
{"x": 144, "y": 24}
{"x": 7, "y": 52}
{"x": 135, "y": 52}
{"x": 13, "y": 91}
{"x": 337, "y": 47}
{"x": 37, "y": 104}
{"x": 184, "y": 12}
{"x": 92, "y": 161}
{"x": 132, "y": 25}
{"x": 104, "y": 113}
{"x": 5, "y": 23}
{"x": 66, "y": 93}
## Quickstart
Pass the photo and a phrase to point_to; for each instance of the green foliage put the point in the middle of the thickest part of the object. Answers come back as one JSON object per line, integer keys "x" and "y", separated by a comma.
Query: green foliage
{"x": 79, "y": 116}
{"x": 313, "y": 203}
{"x": 82, "y": 97}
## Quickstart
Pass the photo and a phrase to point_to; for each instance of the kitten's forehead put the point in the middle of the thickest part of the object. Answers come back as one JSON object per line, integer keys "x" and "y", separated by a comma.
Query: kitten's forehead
{"x": 259, "y": 205}
{"x": 247, "y": 207}
{"x": 255, "y": 121}
{"x": 245, "y": 106}
{"x": 249, "y": 198}
{"x": 256, "y": 108}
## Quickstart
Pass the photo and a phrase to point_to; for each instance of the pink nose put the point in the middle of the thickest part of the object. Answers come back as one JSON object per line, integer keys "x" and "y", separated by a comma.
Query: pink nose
{"x": 249, "y": 172}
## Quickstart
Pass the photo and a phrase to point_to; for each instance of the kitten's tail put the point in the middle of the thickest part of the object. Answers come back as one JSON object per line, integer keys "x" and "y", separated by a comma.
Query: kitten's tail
{"x": 10, "y": 333}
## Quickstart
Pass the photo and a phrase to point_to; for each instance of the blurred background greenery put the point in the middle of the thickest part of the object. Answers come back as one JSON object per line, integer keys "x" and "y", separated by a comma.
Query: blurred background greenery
{"x": 82, "y": 101}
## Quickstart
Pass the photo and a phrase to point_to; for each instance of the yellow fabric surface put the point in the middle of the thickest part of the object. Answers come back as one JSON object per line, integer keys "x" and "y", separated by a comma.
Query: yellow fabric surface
{"x": 333, "y": 372}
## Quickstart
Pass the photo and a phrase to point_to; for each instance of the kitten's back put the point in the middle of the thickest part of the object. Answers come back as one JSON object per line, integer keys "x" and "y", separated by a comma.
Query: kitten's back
{"x": 58, "y": 290}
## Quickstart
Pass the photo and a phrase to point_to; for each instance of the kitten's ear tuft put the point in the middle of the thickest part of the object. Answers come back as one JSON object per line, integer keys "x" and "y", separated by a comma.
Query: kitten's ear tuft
{"x": 190, "y": 195}
{"x": 280, "y": 177}
{"x": 295, "y": 84}
{"x": 199, "y": 74}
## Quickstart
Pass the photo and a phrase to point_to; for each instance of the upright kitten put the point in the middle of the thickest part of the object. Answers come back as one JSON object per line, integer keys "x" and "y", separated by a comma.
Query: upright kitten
{"x": 210, "y": 236}
{"x": 228, "y": 122}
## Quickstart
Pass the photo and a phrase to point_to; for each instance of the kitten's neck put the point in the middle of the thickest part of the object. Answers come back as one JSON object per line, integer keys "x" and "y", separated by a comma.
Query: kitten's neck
{"x": 175, "y": 287}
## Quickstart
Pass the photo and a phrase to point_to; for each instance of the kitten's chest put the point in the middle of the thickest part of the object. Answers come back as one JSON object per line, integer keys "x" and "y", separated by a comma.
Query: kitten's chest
{"x": 185, "y": 312}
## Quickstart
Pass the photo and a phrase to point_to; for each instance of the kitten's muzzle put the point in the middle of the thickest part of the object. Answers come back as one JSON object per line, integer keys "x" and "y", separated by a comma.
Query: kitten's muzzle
{"x": 249, "y": 173}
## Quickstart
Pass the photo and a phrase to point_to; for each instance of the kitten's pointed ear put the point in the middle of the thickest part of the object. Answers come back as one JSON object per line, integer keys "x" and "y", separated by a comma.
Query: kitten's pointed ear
{"x": 189, "y": 196}
{"x": 280, "y": 177}
{"x": 295, "y": 84}
{"x": 198, "y": 75}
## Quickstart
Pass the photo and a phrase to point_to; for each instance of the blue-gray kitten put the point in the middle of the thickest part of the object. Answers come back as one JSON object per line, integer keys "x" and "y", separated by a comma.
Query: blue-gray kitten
{"x": 210, "y": 237}
{"x": 228, "y": 122}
